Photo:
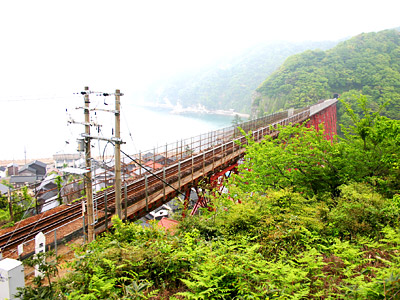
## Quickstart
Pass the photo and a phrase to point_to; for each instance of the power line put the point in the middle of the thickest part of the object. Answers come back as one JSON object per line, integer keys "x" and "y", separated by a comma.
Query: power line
{"x": 127, "y": 125}
{"x": 155, "y": 175}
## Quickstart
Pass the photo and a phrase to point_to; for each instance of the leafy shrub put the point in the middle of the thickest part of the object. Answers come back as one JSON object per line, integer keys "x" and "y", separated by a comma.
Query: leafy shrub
{"x": 361, "y": 210}
{"x": 42, "y": 287}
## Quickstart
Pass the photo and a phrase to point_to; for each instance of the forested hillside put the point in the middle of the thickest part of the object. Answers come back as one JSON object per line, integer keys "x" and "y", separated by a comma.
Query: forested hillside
{"x": 231, "y": 81}
{"x": 368, "y": 63}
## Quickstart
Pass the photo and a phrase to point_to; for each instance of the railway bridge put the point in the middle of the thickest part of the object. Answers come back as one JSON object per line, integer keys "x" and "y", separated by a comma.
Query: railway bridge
{"x": 176, "y": 169}
{"x": 208, "y": 157}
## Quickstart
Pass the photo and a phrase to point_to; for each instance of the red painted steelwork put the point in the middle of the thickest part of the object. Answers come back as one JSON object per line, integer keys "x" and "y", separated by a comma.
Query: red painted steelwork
{"x": 216, "y": 182}
{"x": 186, "y": 202}
{"x": 201, "y": 202}
{"x": 214, "y": 179}
{"x": 328, "y": 118}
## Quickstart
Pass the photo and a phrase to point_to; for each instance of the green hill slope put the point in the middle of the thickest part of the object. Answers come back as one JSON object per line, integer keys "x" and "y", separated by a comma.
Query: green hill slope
{"x": 229, "y": 83}
{"x": 368, "y": 63}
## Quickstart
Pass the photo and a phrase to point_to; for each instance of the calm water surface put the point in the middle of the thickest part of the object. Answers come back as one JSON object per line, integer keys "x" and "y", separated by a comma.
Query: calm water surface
{"x": 42, "y": 129}
{"x": 152, "y": 127}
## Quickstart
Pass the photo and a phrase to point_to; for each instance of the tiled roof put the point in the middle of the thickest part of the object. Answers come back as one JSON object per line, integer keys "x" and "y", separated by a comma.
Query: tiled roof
{"x": 3, "y": 189}
{"x": 153, "y": 165}
{"x": 167, "y": 223}
{"x": 39, "y": 163}
{"x": 22, "y": 179}
{"x": 29, "y": 168}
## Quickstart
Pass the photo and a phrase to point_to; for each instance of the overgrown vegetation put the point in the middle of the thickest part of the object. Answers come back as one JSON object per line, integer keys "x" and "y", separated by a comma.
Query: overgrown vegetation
{"x": 316, "y": 220}
{"x": 46, "y": 263}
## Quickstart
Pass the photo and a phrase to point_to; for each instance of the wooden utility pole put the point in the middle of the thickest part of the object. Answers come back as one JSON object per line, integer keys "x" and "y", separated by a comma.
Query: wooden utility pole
{"x": 88, "y": 176}
{"x": 118, "y": 207}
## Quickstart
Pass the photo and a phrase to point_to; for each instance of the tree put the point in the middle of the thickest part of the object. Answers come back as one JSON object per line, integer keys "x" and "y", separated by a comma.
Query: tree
{"x": 236, "y": 120}
{"x": 59, "y": 181}
{"x": 301, "y": 157}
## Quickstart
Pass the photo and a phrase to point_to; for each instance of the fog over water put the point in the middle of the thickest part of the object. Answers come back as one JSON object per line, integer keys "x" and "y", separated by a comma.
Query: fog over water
{"x": 142, "y": 128}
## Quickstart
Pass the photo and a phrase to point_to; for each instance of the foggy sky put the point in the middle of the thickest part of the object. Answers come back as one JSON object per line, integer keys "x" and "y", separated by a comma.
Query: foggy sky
{"x": 50, "y": 49}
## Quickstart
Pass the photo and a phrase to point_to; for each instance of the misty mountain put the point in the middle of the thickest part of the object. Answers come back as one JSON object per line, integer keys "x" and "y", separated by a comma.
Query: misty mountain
{"x": 229, "y": 82}
{"x": 368, "y": 63}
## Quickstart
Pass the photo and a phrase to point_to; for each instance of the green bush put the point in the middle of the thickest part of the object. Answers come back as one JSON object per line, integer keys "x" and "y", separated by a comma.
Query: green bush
{"x": 362, "y": 211}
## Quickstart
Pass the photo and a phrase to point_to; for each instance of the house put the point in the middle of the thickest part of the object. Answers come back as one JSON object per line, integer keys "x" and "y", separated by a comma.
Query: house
{"x": 147, "y": 156}
{"x": 33, "y": 172}
{"x": 159, "y": 158}
{"x": 35, "y": 168}
{"x": 127, "y": 164}
{"x": 12, "y": 169}
{"x": 49, "y": 204}
{"x": 102, "y": 178}
{"x": 46, "y": 192}
{"x": 165, "y": 161}
{"x": 27, "y": 171}
{"x": 3, "y": 189}
{"x": 19, "y": 181}
{"x": 3, "y": 172}
{"x": 66, "y": 160}
{"x": 153, "y": 165}
{"x": 47, "y": 188}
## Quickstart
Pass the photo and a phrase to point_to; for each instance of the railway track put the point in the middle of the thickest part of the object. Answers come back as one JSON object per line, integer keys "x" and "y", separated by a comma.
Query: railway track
{"x": 48, "y": 223}
{"x": 21, "y": 234}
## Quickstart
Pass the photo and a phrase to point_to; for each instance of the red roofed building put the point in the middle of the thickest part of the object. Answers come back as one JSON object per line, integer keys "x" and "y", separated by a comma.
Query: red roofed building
{"x": 167, "y": 224}
{"x": 153, "y": 165}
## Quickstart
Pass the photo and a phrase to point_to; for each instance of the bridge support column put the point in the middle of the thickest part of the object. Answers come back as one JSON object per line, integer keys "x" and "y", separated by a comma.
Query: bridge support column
{"x": 216, "y": 182}
{"x": 327, "y": 117}
{"x": 201, "y": 201}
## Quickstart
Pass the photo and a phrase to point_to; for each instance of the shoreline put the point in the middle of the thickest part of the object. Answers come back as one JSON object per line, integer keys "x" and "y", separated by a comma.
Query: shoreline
{"x": 199, "y": 109}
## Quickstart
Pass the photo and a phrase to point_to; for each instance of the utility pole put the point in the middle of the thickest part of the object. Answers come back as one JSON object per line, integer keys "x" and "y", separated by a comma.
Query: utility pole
{"x": 118, "y": 207}
{"x": 88, "y": 176}
{"x": 84, "y": 145}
